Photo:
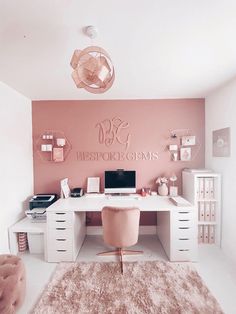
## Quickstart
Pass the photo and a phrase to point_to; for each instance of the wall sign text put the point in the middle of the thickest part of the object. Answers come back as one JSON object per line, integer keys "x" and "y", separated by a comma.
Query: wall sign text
{"x": 116, "y": 156}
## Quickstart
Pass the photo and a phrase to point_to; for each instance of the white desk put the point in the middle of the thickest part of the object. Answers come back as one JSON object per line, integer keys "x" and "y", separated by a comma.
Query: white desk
{"x": 25, "y": 225}
{"x": 66, "y": 230}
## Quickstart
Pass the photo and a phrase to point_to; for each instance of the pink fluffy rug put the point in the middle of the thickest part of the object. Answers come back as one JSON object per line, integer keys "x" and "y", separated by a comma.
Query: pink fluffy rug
{"x": 145, "y": 287}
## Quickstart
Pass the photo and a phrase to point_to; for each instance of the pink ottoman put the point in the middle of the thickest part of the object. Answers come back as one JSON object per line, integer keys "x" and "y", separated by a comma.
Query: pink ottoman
{"x": 12, "y": 283}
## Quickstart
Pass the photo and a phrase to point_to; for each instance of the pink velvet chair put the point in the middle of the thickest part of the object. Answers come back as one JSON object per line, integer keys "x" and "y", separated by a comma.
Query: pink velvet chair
{"x": 120, "y": 229}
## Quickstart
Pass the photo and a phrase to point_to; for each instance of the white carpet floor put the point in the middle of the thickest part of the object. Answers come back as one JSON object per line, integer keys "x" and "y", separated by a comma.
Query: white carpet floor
{"x": 212, "y": 267}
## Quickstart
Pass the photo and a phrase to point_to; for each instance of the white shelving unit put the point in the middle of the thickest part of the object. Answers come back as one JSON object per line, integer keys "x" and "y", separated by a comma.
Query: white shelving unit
{"x": 203, "y": 190}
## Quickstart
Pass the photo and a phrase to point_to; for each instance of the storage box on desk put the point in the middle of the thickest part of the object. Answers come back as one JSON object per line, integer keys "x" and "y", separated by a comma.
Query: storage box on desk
{"x": 35, "y": 242}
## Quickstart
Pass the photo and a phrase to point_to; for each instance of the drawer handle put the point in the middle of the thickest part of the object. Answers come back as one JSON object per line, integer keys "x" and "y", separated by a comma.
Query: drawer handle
{"x": 183, "y": 212}
{"x": 60, "y": 213}
{"x": 61, "y": 239}
{"x": 184, "y": 228}
{"x": 183, "y": 238}
{"x": 60, "y": 228}
{"x": 183, "y": 250}
{"x": 60, "y": 221}
{"x": 61, "y": 250}
{"x": 184, "y": 220}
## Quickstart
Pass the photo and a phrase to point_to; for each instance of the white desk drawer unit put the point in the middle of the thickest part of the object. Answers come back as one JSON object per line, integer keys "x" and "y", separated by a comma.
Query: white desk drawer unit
{"x": 183, "y": 235}
{"x": 65, "y": 235}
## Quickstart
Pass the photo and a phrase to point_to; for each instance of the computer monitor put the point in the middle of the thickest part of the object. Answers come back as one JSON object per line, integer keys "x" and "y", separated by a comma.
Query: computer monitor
{"x": 120, "y": 181}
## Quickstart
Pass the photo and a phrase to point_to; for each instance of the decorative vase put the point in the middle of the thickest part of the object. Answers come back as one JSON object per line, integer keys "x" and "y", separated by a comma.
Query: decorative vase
{"x": 163, "y": 189}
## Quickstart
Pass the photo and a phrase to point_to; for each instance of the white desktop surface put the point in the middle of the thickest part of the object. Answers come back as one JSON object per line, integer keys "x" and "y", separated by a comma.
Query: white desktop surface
{"x": 26, "y": 225}
{"x": 147, "y": 203}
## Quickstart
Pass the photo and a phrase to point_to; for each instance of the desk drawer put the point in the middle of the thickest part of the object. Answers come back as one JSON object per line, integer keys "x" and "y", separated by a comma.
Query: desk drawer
{"x": 60, "y": 215}
{"x": 183, "y": 232}
{"x": 60, "y": 219}
{"x": 61, "y": 244}
{"x": 182, "y": 255}
{"x": 183, "y": 243}
{"x": 183, "y": 224}
{"x": 60, "y": 255}
{"x": 183, "y": 219}
{"x": 60, "y": 233}
{"x": 60, "y": 239}
{"x": 183, "y": 214}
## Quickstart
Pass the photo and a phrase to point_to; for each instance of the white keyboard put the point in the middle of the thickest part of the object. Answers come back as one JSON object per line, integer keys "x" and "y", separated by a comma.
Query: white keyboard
{"x": 123, "y": 197}
{"x": 94, "y": 195}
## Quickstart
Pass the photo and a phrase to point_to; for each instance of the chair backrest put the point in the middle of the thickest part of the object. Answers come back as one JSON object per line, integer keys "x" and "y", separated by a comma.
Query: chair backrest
{"x": 120, "y": 226}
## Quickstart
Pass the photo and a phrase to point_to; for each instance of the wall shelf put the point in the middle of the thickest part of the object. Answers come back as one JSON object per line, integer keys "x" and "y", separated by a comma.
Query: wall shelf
{"x": 191, "y": 150}
{"x": 53, "y": 146}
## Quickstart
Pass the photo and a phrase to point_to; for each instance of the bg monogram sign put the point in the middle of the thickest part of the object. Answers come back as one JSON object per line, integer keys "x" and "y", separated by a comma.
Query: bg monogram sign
{"x": 113, "y": 131}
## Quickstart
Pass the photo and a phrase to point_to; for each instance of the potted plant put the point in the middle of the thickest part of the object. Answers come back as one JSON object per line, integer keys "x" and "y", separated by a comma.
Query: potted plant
{"x": 162, "y": 186}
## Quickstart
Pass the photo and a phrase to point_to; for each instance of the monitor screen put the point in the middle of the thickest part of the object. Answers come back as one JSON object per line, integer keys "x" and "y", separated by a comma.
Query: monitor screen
{"x": 120, "y": 181}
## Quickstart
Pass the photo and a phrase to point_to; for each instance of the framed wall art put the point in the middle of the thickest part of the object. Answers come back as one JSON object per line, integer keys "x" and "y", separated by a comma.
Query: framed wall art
{"x": 221, "y": 142}
{"x": 185, "y": 153}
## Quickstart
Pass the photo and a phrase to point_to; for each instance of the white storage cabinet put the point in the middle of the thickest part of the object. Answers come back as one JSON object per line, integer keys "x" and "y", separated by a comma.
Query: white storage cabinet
{"x": 203, "y": 189}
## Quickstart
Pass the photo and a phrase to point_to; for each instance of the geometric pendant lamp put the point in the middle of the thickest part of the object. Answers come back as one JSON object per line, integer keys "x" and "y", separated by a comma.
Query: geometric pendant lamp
{"x": 93, "y": 68}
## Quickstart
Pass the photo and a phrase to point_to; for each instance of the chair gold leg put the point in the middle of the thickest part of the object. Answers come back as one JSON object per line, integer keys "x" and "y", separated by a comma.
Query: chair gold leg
{"x": 121, "y": 261}
{"x": 132, "y": 252}
{"x": 120, "y": 252}
{"x": 107, "y": 253}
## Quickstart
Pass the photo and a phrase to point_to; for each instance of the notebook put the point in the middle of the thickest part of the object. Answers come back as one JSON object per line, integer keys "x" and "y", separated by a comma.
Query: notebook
{"x": 180, "y": 201}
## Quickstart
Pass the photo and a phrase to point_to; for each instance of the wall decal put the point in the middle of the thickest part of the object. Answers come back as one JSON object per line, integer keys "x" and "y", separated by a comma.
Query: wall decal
{"x": 116, "y": 156}
{"x": 112, "y": 131}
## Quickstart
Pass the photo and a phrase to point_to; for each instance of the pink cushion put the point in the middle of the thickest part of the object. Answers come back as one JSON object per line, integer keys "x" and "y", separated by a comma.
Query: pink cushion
{"x": 12, "y": 283}
{"x": 120, "y": 226}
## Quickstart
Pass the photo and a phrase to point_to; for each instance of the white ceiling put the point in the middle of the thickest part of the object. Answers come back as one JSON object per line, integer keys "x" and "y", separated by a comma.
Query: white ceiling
{"x": 160, "y": 48}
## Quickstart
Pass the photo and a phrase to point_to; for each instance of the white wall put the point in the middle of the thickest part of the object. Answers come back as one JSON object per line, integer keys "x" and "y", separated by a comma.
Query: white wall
{"x": 16, "y": 162}
{"x": 221, "y": 113}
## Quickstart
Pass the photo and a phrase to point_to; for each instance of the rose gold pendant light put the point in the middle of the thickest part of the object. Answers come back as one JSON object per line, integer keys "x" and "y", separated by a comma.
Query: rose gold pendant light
{"x": 93, "y": 68}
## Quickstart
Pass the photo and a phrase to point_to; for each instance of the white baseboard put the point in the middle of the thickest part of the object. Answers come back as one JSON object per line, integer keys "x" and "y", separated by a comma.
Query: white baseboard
{"x": 97, "y": 230}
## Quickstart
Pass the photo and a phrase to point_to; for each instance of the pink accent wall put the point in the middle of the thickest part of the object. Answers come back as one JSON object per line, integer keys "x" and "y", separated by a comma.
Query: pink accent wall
{"x": 150, "y": 122}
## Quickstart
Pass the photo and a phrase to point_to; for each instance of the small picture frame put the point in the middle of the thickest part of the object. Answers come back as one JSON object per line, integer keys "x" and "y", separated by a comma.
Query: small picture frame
{"x": 189, "y": 140}
{"x": 58, "y": 154}
{"x": 173, "y": 191}
{"x": 65, "y": 190}
{"x": 185, "y": 153}
{"x": 93, "y": 185}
